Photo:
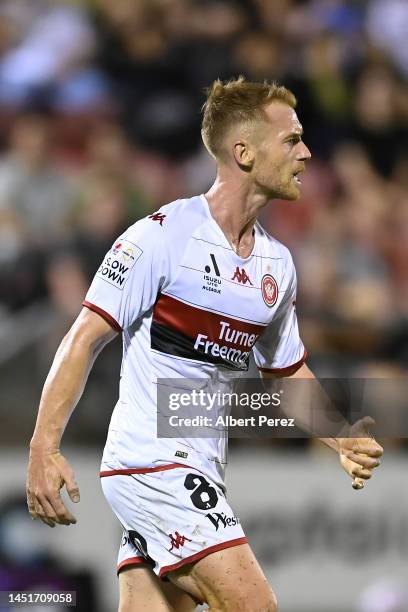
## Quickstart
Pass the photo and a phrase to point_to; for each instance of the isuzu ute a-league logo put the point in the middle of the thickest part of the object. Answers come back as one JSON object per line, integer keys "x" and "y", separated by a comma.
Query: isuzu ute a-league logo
{"x": 212, "y": 282}
{"x": 269, "y": 288}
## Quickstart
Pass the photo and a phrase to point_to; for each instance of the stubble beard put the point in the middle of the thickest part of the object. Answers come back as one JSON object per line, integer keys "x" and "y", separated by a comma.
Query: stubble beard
{"x": 286, "y": 191}
{"x": 281, "y": 190}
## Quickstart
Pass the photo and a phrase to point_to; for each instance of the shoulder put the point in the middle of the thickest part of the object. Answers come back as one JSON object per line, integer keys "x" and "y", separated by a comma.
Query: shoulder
{"x": 172, "y": 222}
{"x": 272, "y": 246}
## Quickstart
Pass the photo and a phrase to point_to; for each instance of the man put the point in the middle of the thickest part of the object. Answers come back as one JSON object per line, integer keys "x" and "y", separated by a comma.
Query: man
{"x": 193, "y": 288}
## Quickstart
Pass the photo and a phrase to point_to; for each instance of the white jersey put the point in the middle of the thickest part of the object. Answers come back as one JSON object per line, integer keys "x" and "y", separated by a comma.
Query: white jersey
{"x": 188, "y": 306}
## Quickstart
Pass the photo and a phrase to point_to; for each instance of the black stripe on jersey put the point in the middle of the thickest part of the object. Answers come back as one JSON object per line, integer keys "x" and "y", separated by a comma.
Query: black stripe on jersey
{"x": 171, "y": 342}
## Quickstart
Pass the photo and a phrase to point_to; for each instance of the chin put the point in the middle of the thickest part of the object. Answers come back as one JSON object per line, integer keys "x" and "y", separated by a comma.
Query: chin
{"x": 283, "y": 192}
{"x": 290, "y": 194}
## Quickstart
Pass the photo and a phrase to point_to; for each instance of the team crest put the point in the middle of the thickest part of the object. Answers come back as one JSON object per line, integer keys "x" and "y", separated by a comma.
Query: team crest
{"x": 269, "y": 289}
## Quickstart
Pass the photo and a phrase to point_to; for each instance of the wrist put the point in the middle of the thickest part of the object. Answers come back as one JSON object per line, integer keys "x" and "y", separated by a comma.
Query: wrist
{"x": 44, "y": 445}
{"x": 332, "y": 443}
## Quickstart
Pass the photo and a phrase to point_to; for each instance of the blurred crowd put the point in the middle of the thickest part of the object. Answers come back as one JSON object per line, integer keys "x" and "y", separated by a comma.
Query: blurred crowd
{"x": 100, "y": 125}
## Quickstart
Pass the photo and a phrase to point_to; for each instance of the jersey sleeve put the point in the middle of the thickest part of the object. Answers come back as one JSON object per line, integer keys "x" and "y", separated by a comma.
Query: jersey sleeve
{"x": 130, "y": 277}
{"x": 280, "y": 350}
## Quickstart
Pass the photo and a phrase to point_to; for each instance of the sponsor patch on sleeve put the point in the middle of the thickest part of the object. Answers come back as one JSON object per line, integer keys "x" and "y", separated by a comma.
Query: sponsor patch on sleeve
{"x": 118, "y": 263}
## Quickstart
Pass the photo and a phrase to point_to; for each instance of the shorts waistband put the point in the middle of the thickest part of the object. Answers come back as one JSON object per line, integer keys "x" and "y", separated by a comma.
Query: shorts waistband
{"x": 147, "y": 470}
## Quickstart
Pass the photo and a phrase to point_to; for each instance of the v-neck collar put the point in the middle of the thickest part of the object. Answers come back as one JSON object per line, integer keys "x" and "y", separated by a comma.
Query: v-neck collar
{"x": 220, "y": 232}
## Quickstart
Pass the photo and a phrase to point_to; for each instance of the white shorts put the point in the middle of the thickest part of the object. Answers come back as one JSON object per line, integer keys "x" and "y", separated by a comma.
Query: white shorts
{"x": 171, "y": 516}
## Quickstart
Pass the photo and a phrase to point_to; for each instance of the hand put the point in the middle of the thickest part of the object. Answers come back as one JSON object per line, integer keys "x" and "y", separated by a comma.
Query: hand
{"x": 48, "y": 471}
{"x": 360, "y": 455}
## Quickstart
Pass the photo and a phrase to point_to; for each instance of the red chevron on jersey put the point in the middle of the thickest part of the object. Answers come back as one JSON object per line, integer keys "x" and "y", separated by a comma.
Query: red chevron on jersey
{"x": 187, "y": 331}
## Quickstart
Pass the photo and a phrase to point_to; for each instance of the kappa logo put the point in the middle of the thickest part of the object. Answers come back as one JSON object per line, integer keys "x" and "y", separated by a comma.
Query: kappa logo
{"x": 177, "y": 540}
{"x": 269, "y": 288}
{"x": 220, "y": 518}
{"x": 241, "y": 276}
{"x": 157, "y": 217}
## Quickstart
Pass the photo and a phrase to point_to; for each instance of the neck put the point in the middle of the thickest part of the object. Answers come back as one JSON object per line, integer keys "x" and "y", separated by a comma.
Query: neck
{"x": 235, "y": 205}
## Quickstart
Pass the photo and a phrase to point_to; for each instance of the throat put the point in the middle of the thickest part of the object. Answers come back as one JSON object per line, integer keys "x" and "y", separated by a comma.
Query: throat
{"x": 244, "y": 248}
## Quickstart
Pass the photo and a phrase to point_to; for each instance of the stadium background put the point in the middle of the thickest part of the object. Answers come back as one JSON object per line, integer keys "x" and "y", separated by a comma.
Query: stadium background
{"x": 99, "y": 125}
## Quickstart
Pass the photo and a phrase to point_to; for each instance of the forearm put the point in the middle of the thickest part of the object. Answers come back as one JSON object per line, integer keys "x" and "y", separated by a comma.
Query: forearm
{"x": 308, "y": 403}
{"x": 331, "y": 443}
{"x": 62, "y": 390}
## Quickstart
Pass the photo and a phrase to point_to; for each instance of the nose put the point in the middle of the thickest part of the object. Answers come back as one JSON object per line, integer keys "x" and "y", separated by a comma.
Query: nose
{"x": 304, "y": 153}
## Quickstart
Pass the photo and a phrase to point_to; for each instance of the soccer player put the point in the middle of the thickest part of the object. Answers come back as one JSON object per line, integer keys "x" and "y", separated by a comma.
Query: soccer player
{"x": 193, "y": 289}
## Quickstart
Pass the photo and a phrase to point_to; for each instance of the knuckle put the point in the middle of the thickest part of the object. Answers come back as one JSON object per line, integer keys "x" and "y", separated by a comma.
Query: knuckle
{"x": 51, "y": 491}
{"x": 69, "y": 473}
{"x": 60, "y": 508}
{"x": 63, "y": 515}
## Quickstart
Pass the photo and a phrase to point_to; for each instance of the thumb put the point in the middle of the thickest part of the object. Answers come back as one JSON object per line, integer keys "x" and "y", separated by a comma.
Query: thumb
{"x": 367, "y": 423}
{"x": 364, "y": 426}
{"x": 73, "y": 489}
{"x": 358, "y": 483}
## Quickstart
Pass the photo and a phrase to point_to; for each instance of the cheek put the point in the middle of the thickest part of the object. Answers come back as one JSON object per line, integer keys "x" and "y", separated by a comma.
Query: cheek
{"x": 282, "y": 170}
{"x": 273, "y": 169}
{"x": 275, "y": 166}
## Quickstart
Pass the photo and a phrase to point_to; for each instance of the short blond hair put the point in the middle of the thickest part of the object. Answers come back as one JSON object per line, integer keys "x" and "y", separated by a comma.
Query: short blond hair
{"x": 237, "y": 101}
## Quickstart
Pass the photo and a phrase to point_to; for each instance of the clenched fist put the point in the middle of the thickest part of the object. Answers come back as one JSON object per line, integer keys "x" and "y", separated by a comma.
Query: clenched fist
{"x": 361, "y": 454}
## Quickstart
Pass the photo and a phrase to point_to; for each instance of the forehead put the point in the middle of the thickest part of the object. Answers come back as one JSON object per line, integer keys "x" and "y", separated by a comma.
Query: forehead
{"x": 282, "y": 118}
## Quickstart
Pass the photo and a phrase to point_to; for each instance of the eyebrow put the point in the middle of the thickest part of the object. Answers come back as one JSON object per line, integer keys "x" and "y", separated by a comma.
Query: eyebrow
{"x": 294, "y": 133}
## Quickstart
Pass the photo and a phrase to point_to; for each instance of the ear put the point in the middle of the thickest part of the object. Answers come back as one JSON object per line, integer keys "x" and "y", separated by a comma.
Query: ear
{"x": 243, "y": 155}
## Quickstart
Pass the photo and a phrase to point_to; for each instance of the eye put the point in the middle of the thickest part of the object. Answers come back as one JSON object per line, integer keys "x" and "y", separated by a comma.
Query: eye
{"x": 294, "y": 140}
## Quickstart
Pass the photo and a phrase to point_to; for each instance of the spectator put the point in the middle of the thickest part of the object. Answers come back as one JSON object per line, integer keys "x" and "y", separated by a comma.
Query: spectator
{"x": 32, "y": 190}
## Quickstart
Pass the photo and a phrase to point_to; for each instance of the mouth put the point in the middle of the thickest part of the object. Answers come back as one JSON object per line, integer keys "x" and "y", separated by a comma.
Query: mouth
{"x": 296, "y": 176}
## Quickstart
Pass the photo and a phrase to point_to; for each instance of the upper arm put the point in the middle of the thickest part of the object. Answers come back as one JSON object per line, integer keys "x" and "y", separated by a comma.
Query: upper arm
{"x": 91, "y": 330}
{"x": 132, "y": 273}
